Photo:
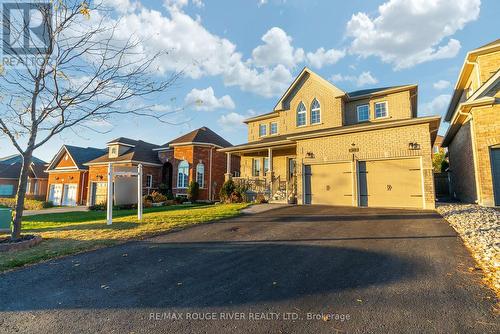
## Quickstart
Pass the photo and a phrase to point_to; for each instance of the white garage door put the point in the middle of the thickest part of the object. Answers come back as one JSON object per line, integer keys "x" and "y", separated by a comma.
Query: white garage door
{"x": 69, "y": 195}
{"x": 55, "y": 193}
{"x": 390, "y": 183}
{"x": 329, "y": 184}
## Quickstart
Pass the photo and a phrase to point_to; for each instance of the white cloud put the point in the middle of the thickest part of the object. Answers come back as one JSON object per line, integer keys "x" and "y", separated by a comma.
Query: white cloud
{"x": 231, "y": 121}
{"x": 205, "y": 99}
{"x": 324, "y": 57}
{"x": 441, "y": 84}
{"x": 410, "y": 32}
{"x": 437, "y": 106}
{"x": 365, "y": 78}
{"x": 277, "y": 49}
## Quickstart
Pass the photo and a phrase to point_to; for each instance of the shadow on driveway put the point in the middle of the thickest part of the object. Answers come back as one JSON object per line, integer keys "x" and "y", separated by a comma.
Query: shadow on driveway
{"x": 199, "y": 275}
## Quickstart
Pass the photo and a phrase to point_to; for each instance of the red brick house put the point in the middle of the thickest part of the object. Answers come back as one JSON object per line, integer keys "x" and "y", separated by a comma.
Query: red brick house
{"x": 10, "y": 169}
{"x": 194, "y": 156}
{"x": 123, "y": 152}
{"x": 68, "y": 176}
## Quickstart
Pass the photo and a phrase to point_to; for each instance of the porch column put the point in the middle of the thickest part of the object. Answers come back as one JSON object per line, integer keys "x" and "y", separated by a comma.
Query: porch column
{"x": 227, "y": 176}
{"x": 270, "y": 156}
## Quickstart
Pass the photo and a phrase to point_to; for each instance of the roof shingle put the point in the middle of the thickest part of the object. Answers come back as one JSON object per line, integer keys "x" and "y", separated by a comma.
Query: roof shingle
{"x": 201, "y": 135}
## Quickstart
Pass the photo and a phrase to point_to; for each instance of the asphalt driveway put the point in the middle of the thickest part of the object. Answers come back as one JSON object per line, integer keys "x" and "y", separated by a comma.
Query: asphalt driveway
{"x": 301, "y": 269}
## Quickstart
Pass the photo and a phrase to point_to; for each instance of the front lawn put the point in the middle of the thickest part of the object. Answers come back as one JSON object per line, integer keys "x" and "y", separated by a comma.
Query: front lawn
{"x": 72, "y": 232}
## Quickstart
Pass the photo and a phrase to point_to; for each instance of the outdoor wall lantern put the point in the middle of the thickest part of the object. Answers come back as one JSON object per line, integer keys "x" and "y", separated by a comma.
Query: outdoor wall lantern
{"x": 310, "y": 155}
{"x": 413, "y": 146}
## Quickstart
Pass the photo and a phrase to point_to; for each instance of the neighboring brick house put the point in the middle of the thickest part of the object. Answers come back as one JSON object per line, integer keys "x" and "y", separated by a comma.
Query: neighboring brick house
{"x": 194, "y": 156}
{"x": 321, "y": 145}
{"x": 473, "y": 137}
{"x": 68, "y": 176}
{"x": 10, "y": 170}
{"x": 123, "y": 153}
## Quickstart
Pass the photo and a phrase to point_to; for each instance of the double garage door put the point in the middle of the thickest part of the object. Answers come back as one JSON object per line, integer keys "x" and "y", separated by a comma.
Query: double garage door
{"x": 63, "y": 194}
{"x": 377, "y": 183}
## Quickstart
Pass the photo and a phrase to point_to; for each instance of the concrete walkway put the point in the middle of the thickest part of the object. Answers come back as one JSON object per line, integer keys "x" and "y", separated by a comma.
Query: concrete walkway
{"x": 55, "y": 210}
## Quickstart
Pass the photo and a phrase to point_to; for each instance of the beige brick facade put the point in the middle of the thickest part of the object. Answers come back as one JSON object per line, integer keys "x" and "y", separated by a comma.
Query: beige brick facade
{"x": 474, "y": 132}
{"x": 340, "y": 137}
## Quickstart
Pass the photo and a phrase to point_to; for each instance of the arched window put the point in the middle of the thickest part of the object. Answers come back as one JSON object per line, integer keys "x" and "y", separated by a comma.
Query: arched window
{"x": 301, "y": 114}
{"x": 200, "y": 175}
{"x": 315, "y": 112}
{"x": 183, "y": 174}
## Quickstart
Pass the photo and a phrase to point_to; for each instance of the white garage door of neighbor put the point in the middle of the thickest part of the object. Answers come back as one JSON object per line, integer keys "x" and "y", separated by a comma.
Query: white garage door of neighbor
{"x": 390, "y": 183}
{"x": 69, "y": 195}
{"x": 329, "y": 184}
{"x": 55, "y": 192}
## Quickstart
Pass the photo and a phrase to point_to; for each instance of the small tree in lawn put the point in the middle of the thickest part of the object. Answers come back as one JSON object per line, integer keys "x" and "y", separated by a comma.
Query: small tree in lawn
{"x": 193, "y": 191}
{"x": 83, "y": 74}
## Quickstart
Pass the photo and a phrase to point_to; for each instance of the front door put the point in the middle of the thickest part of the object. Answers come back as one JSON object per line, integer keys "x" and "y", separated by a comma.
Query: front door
{"x": 495, "y": 171}
{"x": 69, "y": 195}
{"x": 55, "y": 193}
{"x": 99, "y": 192}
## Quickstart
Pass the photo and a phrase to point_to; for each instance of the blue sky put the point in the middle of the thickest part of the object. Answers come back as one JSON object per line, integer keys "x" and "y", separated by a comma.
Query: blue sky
{"x": 239, "y": 56}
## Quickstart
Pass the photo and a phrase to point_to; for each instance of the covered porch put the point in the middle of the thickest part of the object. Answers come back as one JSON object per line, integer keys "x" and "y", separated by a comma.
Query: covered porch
{"x": 268, "y": 170}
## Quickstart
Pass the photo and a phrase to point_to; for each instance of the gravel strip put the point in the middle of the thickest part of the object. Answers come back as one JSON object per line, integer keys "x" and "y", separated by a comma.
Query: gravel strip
{"x": 479, "y": 228}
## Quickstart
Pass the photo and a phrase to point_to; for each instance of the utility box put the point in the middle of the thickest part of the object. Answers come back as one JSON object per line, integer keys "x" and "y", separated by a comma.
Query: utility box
{"x": 5, "y": 219}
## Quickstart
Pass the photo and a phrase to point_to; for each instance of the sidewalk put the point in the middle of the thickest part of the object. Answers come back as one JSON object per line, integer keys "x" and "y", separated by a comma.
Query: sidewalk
{"x": 55, "y": 210}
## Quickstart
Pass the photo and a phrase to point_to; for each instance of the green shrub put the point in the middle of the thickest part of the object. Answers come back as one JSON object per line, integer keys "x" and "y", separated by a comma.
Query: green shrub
{"x": 226, "y": 190}
{"x": 98, "y": 207}
{"x": 193, "y": 191}
{"x": 163, "y": 189}
{"x": 180, "y": 200}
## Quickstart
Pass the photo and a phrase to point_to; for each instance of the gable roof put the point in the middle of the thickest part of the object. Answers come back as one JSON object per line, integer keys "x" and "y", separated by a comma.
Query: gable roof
{"x": 140, "y": 151}
{"x": 17, "y": 158}
{"x": 13, "y": 171}
{"x": 465, "y": 73}
{"x": 305, "y": 71}
{"x": 202, "y": 135}
{"x": 79, "y": 155}
{"x": 122, "y": 140}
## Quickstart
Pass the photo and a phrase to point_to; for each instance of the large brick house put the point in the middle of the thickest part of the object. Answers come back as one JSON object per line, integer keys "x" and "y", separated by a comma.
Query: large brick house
{"x": 174, "y": 165}
{"x": 68, "y": 176}
{"x": 123, "y": 152}
{"x": 321, "y": 145}
{"x": 10, "y": 170}
{"x": 473, "y": 137}
{"x": 194, "y": 156}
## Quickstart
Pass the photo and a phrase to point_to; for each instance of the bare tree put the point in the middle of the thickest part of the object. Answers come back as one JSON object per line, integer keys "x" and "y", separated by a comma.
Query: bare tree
{"x": 83, "y": 73}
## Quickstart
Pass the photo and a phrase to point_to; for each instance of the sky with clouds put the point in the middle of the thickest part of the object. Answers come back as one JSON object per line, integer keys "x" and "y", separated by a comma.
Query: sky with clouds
{"x": 239, "y": 56}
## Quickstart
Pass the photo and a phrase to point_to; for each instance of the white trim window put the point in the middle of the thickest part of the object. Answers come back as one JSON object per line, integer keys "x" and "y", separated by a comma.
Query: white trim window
{"x": 262, "y": 130}
{"x": 149, "y": 181}
{"x": 255, "y": 167}
{"x": 381, "y": 109}
{"x": 183, "y": 174}
{"x": 301, "y": 114}
{"x": 273, "y": 128}
{"x": 315, "y": 112}
{"x": 266, "y": 165}
{"x": 200, "y": 175}
{"x": 363, "y": 112}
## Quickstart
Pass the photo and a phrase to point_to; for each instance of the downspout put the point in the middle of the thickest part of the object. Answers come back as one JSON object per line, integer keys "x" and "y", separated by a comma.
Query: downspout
{"x": 210, "y": 176}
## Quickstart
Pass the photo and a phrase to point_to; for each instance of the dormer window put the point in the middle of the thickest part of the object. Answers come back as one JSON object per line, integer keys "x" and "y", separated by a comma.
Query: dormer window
{"x": 363, "y": 112}
{"x": 301, "y": 114}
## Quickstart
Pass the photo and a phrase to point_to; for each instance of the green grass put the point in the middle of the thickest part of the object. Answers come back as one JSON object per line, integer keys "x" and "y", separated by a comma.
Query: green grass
{"x": 72, "y": 232}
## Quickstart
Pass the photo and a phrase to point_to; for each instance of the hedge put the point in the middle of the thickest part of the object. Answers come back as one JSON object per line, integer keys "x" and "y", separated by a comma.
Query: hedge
{"x": 29, "y": 204}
